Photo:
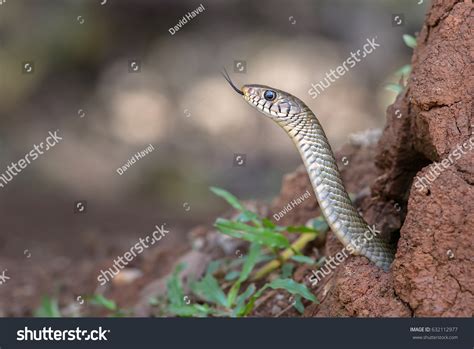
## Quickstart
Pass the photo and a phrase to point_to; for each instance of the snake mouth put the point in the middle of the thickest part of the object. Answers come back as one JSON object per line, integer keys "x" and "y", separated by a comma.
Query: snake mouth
{"x": 227, "y": 77}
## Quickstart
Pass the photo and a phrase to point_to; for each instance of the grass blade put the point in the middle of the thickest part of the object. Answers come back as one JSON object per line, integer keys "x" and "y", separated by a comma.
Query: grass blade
{"x": 293, "y": 287}
{"x": 409, "y": 40}
{"x": 250, "y": 261}
{"x": 231, "y": 199}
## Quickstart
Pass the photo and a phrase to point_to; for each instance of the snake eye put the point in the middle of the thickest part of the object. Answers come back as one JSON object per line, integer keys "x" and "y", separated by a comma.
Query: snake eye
{"x": 269, "y": 95}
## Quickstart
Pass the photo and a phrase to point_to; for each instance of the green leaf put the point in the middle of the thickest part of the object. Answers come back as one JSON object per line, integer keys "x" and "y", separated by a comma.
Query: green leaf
{"x": 213, "y": 266}
{"x": 182, "y": 310}
{"x": 404, "y": 71}
{"x": 48, "y": 308}
{"x": 394, "y": 87}
{"x": 174, "y": 287}
{"x": 245, "y": 215}
{"x": 100, "y": 300}
{"x": 246, "y": 232}
{"x": 240, "y": 302}
{"x": 250, "y": 262}
{"x": 287, "y": 270}
{"x": 208, "y": 288}
{"x": 320, "y": 224}
{"x": 247, "y": 309}
{"x": 248, "y": 216}
{"x": 234, "y": 290}
{"x": 177, "y": 304}
{"x": 239, "y": 226}
{"x": 232, "y": 275}
{"x": 268, "y": 223}
{"x": 292, "y": 287}
{"x": 303, "y": 259}
{"x": 153, "y": 301}
{"x": 228, "y": 231}
{"x": 195, "y": 310}
{"x": 409, "y": 40}
{"x": 300, "y": 229}
{"x": 236, "y": 263}
{"x": 299, "y": 304}
{"x": 231, "y": 199}
{"x": 265, "y": 258}
{"x": 289, "y": 285}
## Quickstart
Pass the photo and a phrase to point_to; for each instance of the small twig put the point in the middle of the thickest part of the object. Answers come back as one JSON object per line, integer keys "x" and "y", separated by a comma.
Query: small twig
{"x": 263, "y": 299}
{"x": 296, "y": 246}
{"x": 284, "y": 310}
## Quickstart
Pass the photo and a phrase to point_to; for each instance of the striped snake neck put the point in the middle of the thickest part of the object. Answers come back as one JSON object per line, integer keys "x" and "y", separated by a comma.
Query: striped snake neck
{"x": 311, "y": 141}
{"x": 347, "y": 224}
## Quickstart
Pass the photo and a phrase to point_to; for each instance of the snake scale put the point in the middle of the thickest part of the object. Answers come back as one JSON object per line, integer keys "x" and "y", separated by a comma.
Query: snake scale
{"x": 305, "y": 130}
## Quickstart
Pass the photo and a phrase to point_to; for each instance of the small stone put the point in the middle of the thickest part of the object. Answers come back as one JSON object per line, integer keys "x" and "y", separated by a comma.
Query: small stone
{"x": 276, "y": 310}
{"x": 127, "y": 276}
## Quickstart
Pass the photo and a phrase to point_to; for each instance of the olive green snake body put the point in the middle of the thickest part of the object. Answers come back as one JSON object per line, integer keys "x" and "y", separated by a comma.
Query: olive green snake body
{"x": 305, "y": 130}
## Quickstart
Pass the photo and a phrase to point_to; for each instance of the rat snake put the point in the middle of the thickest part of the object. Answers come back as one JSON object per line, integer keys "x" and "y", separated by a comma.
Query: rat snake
{"x": 304, "y": 128}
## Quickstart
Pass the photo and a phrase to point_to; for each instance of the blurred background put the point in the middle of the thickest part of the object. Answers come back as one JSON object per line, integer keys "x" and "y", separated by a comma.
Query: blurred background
{"x": 82, "y": 82}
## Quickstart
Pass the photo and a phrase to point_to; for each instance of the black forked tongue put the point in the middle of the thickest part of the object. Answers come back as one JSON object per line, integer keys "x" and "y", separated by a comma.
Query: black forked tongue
{"x": 227, "y": 77}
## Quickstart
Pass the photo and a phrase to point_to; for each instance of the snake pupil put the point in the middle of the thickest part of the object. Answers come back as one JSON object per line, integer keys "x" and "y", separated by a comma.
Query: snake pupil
{"x": 269, "y": 95}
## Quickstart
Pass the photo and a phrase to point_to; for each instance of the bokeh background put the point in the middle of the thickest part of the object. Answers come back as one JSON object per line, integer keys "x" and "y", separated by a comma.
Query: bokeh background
{"x": 178, "y": 102}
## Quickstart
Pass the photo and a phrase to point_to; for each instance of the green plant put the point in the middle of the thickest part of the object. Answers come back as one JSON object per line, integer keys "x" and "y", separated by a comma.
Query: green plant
{"x": 252, "y": 228}
{"x": 178, "y": 303}
{"x": 100, "y": 301}
{"x": 267, "y": 242}
{"x": 218, "y": 303}
{"x": 48, "y": 308}
{"x": 409, "y": 40}
{"x": 404, "y": 71}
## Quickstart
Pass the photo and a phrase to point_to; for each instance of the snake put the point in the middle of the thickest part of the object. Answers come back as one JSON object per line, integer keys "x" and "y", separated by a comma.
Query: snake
{"x": 304, "y": 128}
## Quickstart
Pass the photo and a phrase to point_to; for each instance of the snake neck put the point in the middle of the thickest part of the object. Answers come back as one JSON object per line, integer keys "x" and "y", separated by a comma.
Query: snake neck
{"x": 311, "y": 141}
{"x": 336, "y": 206}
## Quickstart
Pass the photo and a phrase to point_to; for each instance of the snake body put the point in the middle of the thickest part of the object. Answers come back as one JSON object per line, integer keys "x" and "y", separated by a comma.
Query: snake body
{"x": 305, "y": 130}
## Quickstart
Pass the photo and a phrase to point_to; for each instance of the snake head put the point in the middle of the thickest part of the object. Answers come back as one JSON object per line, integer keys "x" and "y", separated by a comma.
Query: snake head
{"x": 272, "y": 102}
